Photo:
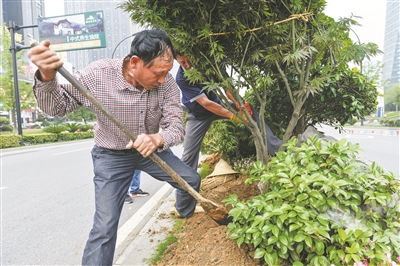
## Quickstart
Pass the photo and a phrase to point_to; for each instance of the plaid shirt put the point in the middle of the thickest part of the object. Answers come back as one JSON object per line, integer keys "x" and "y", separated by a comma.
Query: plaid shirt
{"x": 141, "y": 111}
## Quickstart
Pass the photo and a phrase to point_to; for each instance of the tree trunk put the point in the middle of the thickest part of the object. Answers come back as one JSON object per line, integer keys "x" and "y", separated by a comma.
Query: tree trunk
{"x": 292, "y": 124}
{"x": 261, "y": 145}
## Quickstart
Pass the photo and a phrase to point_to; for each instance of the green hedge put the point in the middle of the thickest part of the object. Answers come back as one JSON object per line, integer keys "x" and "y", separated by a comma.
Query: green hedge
{"x": 39, "y": 138}
{"x": 8, "y": 141}
{"x": 390, "y": 122}
{"x": 76, "y": 135}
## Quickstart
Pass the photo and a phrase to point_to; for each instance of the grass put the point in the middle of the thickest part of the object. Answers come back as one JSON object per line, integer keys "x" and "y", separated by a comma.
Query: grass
{"x": 392, "y": 114}
{"x": 31, "y": 131}
{"x": 169, "y": 240}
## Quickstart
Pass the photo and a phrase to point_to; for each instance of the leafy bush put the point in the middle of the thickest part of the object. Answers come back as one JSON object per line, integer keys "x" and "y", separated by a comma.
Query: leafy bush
{"x": 56, "y": 129}
{"x": 205, "y": 170}
{"x": 84, "y": 128}
{"x": 5, "y": 124}
{"x": 72, "y": 127}
{"x": 72, "y": 136}
{"x": 320, "y": 206}
{"x": 231, "y": 140}
{"x": 39, "y": 138}
{"x": 8, "y": 141}
{"x": 390, "y": 122}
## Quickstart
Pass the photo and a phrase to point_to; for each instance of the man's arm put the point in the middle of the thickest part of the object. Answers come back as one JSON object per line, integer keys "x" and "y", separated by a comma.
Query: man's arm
{"x": 214, "y": 107}
{"x": 54, "y": 99}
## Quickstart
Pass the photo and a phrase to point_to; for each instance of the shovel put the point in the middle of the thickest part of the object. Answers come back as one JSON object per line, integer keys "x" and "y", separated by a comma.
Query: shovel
{"x": 217, "y": 212}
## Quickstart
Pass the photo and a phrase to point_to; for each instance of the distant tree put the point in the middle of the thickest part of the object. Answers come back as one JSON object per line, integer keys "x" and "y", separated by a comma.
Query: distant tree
{"x": 7, "y": 80}
{"x": 392, "y": 97}
{"x": 278, "y": 53}
{"x": 82, "y": 114}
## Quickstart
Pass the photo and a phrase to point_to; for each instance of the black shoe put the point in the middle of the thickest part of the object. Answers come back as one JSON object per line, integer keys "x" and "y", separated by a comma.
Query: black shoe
{"x": 139, "y": 193}
{"x": 128, "y": 199}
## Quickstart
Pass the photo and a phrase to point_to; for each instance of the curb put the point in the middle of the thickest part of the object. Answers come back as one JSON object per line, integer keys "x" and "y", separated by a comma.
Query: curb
{"x": 132, "y": 227}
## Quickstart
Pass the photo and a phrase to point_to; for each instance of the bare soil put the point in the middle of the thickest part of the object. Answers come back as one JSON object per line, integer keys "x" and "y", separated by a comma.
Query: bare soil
{"x": 203, "y": 241}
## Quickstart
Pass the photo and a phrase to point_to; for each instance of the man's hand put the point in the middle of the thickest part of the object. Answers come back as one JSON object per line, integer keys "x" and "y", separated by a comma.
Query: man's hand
{"x": 146, "y": 144}
{"x": 46, "y": 60}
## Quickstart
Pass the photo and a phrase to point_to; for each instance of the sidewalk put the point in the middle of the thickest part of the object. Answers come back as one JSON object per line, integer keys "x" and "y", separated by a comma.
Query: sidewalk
{"x": 139, "y": 237}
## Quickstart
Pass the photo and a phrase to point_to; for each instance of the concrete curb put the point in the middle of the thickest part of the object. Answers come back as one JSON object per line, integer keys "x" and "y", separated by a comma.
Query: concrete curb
{"x": 127, "y": 233}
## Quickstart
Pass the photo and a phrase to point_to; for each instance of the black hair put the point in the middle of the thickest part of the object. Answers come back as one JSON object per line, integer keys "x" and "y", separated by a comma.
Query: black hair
{"x": 149, "y": 44}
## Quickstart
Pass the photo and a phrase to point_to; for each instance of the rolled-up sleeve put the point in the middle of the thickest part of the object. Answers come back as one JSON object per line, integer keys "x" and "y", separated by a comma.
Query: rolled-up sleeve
{"x": 171, "y": 123}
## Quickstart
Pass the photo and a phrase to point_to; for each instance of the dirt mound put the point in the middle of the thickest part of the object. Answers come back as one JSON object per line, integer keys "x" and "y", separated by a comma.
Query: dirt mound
{"x": 204, "y": 242}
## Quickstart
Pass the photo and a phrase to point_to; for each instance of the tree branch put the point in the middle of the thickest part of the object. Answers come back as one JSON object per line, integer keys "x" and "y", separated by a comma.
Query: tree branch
{"x": 286, "y": 83}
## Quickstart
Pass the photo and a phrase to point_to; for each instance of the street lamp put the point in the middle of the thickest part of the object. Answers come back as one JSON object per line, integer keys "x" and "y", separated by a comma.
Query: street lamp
{"x": 15, "y": 47}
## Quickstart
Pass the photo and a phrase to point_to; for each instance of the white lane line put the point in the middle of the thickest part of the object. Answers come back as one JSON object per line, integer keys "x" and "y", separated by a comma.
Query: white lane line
{"x": 65, "y": 152}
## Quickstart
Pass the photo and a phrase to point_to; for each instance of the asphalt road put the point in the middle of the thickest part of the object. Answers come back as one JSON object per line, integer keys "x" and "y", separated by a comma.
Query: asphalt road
{"x": 380, "y": 146}
{"x": 47, "y": 203}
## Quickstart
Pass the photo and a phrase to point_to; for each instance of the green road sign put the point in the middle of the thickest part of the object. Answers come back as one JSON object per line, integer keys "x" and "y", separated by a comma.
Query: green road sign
{"x": 74, "y": 32}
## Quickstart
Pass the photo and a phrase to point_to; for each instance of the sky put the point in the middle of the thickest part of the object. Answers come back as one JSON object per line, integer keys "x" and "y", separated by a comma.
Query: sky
{"x": 372, "y": 13}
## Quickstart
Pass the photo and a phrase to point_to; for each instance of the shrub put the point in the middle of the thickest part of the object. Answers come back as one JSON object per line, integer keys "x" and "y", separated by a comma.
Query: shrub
{"x": 231, "y": 140}
{"x": 72, "y": 136}
{"x": 205, "y": 170}
{"x": 320, "y": 206}
{"x": 39, "y": 138}
{"x": 56, "y": 129}
{"x": 6, "y": 128}
{"x": 8, "y": 141}
{"x": 72, "y": 127}
{"x": 5, "y": 124}
{"x": 84, "y": 128}
{"x": 390, "y": 122}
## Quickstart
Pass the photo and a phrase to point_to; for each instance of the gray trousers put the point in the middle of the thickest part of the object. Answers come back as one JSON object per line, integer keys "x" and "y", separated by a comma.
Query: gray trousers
{"x": 196, "y": 129}
{"x": 113, "y": 173}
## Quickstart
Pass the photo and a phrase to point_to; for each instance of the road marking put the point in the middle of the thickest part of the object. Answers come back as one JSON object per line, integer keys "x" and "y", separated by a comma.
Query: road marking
{"x": 65, "y": 152}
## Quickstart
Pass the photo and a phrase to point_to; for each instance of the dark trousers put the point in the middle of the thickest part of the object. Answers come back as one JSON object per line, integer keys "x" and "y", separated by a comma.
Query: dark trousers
{"x": 112, "y": 175}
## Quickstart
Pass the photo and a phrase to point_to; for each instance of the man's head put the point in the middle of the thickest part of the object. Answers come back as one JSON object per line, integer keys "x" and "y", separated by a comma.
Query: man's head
{"x": 150, "y": 59}
{"x": 183, "y": 61}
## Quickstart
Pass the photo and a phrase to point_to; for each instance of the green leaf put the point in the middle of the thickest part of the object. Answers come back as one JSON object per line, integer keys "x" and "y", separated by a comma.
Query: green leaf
{"x": 319, "y": 247}
{"x": 301, "y": 197}
{"x": 293, "y": 227}
{"x": 342, "y": 234}
{"x": 283, "y": 239}
{"x": 297, "y": 263}
{"x": 308, "y": 241}
{"x": 275, "y": 230}
{"x": 259, "y": 253}
{"x": 299, "y": 237}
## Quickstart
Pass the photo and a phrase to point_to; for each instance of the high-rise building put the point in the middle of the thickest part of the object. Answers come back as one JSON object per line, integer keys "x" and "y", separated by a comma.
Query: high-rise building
{"x": 22, "y": 13}
{"x": 117, "y": 27}
{"x": 391, "y": 49}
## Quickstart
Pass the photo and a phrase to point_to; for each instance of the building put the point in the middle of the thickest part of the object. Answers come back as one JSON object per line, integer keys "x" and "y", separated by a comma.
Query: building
{"x": 117, "y": 27}
{"x": 22, "y": 13}
{"x": 391, "y": 49}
